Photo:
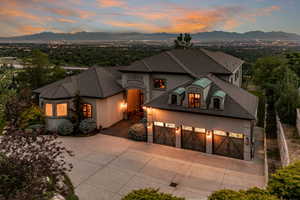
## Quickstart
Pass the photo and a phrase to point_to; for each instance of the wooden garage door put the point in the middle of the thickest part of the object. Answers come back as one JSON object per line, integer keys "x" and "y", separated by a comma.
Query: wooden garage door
{"x": 164, "y": 135}
{"x": 228, "y": 144}
{"x": 193, "y": 139}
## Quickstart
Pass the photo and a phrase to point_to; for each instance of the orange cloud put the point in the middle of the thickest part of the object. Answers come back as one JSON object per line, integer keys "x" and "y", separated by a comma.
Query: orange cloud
{"x": 111, "y": 3}
{"x": 63, "y": 20}
{"x": 31, "y": 29}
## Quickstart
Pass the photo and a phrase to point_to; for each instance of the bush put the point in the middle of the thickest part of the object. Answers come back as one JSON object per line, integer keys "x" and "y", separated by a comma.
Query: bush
{"x": 32, "y": 115}
{"x": 251, "y": 194}
{"x": 285, "y": 183}
{"x": 87, "y": 126}
{"x": 65, "y": 127}
{"x": 137, "y": 132}
{"x": 149, "y": 194}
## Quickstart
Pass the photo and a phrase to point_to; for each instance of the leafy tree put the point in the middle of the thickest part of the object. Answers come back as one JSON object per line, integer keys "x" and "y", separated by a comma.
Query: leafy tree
{"x": 183, "y": 42}
{"x": 149, "y": 194}
{"x": 76, "y": 110}
{"x": 32, "y": 166}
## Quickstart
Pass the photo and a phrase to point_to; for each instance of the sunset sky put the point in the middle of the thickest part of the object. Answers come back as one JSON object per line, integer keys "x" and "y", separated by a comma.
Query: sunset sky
{"x": 19, "y": 17}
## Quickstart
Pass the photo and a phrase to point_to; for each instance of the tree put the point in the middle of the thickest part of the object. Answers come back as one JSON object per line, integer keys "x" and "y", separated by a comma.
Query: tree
{"x": 183, "y": 42}
{"x": 77, "y": 114}
{"x": 32, "y": 166}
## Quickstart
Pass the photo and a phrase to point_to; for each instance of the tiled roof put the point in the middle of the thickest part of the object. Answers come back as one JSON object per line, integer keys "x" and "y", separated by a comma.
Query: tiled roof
{"x": 96, "y": 82}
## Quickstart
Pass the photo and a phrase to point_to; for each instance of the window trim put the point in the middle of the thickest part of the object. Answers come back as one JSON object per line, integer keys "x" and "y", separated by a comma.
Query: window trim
{"x": 165, "y": 83}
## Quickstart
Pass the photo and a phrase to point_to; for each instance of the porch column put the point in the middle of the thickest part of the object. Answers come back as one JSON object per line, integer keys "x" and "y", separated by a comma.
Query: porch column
{"x": 150, "y": 132}
{"x": 178, "y": 137}
{"x": 209, "y": 141}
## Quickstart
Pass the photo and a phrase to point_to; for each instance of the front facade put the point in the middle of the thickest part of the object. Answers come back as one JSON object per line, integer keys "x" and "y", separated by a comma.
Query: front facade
{"x": 191, "y": 98}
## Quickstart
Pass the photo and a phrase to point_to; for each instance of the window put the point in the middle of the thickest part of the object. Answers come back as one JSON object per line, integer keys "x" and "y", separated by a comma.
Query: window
{"x": 187, "y": 128}
{"x": 174, "y": 99}
{"x": 200, "y": 130}
{"x": 160, "y": 83}
{"x": 62, "y": 109}
{"x": 87, "y": 110}
{"x": 159, "y": 124}
{"x": 170, "y": 125}
{"x": 48, "y": 110}
{"x": 222, "y": 133}
{"x": 217, "y": 103}
{"x": 194, "y": 100}
{"x": 236, "y": 135}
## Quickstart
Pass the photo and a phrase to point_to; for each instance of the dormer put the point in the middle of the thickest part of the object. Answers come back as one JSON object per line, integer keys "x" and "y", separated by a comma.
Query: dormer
{"x": 217, "y": 100}
{"x": 197, "y": 93}
{"x": 177, "y": 96}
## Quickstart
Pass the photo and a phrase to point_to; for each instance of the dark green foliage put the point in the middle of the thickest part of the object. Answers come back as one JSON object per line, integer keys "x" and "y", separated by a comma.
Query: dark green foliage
{"x": 30, "y": 116}
{"x": 137, "y": 132}
{"x": 65, "y": 127}
{"x": 87, "y": 126}
{"x": 285, "y": 183}
{"x": 251, "y": 194}
{"x": 149, "y": 194}
{"x": 76, "y": 110}
{"x": 183, "y": 42}
{"x": 271, "y": 126}
{"x": 261, "y": 108}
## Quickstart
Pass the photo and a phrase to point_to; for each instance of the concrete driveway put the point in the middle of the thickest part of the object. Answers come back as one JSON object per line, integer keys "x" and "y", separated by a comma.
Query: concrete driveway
{"x": 107, "y": 168}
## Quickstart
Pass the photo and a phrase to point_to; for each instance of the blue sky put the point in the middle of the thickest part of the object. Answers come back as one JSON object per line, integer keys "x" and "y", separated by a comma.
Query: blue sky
{"x": 18, "y": 17}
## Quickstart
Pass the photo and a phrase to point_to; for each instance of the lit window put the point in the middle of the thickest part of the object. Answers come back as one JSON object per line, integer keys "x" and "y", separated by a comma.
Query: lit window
{"x": 159, "y": 124}
{"x": 48, "y": 110}
{"x": 160, "y": 83}
{"x": 236, "y": 135}
{"x": 62, "y": 110}
{"x": 217, "y": 104}
{"x": 170, "y": 125}
{"x": 200, "y": 130}
{"x": 218, "y": 132}
{"x": 187, "y": 128}
{"x": 194, "y": 100}
{"x": 87, "y": 110}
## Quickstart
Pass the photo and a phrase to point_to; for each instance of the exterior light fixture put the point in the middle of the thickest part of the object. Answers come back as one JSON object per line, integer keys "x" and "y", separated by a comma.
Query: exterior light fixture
{"x": 124, "y": 106}
{"x": 177, "y": 130}
{"x": 209, "y": 134}
{"x": 149, "y": 125}
{"x": 144, "y": 108}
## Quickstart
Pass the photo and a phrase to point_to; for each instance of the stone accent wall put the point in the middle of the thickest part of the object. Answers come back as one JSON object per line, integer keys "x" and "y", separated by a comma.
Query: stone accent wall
{"x": 283, "y": 149}
{"x": 298, "y": 121}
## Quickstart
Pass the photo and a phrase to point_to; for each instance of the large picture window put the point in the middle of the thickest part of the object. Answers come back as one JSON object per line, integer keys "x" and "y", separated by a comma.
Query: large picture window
{"x": 62, "y": 110}
{"x": 159, "y": 84}
{"x": 87, "y": 110}
{"x": 48, "y": 110}
{"x": 194, "y": 100}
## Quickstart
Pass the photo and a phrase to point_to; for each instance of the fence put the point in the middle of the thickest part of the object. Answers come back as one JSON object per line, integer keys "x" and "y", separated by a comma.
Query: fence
{"x": 283, "y": 149}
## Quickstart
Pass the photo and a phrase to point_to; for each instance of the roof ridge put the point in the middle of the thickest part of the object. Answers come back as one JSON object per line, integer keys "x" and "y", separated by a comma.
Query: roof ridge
{"x": 231, "y": 96}
{"x": 98, "y": 81}
{"x": 215, "y": 61}
{"x": 181, "y": 64}
{"x": 144, "y": 62}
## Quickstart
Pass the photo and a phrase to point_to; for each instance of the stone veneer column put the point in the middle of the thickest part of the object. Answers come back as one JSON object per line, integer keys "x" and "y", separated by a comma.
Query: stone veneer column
{"x": 209, "y": 141}
{"x": 247, "y": 141}
{"x": 178, "y": 137}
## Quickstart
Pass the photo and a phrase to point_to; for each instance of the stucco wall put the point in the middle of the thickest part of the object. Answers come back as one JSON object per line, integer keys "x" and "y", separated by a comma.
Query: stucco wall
{"x": 109, "y": 110}
{"x": 204, "y": 121}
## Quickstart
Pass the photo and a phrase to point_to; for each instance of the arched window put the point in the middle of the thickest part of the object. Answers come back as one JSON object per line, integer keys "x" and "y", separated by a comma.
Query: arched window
{"x": 87, "y": 110}
{"x": 217, "y": 104}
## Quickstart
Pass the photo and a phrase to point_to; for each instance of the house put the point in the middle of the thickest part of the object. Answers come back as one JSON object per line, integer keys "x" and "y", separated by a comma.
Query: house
{"x": 192, "y": 99}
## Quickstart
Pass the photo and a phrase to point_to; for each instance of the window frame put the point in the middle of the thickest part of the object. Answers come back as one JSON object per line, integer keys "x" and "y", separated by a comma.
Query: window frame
{"x": 164, "y": 83}
{"x": 85, "y": 105}
{"x": 67, "y": 109}
{"x": 192, "y": 103}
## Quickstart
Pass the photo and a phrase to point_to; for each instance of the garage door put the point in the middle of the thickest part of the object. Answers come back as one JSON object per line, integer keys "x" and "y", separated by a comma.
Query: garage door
{"x": 193, "y": 138}
{"x": 228, "y": 144}
{"x": 164, "y": 133}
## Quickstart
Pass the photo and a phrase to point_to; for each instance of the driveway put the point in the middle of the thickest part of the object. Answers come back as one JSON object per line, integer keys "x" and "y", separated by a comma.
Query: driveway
{"x": 107, "y": 168}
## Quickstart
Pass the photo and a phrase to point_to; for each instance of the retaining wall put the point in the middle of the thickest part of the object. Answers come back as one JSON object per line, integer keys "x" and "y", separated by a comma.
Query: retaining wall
{"x": 283, "y": 149}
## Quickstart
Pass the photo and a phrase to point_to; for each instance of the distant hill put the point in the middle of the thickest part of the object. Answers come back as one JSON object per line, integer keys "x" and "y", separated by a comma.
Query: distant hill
{"x": 204, "y": 36}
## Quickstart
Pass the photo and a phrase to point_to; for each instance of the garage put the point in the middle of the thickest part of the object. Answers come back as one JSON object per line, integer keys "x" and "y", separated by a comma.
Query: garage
{"x": 193, "y": 138}
{"x": 228, "y": 144}
{"x": 164, "y": 133}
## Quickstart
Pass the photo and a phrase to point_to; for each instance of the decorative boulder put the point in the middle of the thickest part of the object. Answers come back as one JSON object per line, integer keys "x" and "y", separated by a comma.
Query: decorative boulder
{"x": 138, "y": 132}
{"x": 87, "y": 126}
{"x": 65, "y": 127}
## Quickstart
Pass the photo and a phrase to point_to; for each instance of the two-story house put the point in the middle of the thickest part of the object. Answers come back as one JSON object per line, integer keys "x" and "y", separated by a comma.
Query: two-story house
{"x": 192, "y": 99}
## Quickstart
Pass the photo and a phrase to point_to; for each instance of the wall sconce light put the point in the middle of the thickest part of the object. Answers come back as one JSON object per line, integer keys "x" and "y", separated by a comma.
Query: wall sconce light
{"x": 149, "y": 125}
{"x": 209, "y": 134}
{"x": 177, "y": 130}
{"x": 124, "y": 106}
{"x": 247, "y": 141}
{"x": 144, "y": 108}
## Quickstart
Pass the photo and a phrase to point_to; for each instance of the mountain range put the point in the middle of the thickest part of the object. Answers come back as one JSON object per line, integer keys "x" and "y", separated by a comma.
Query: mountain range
{"x": 102, "y": 36}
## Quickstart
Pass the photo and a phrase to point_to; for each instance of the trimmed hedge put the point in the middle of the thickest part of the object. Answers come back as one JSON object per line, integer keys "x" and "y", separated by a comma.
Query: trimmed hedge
{"x": 138, "y": 132}
{"x": 150, "y": 194}
{"x": 87, "y": 126}
{"x": 65, "y": 127}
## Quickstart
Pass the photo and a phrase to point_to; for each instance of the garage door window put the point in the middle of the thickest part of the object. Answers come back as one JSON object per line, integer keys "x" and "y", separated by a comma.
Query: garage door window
{"x": 200, "y": 130}
{"x": 236, "y": 135}
{"x": 187, "y": 128}
{"x": 161, "y": 124}
{"x": 218, "y": 132}
{"x": 169, "y": 125}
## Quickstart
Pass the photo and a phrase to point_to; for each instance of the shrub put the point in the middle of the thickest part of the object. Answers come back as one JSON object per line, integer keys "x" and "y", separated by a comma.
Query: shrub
{"x": 149, "y": 194}
{"x": 251, "y": 194}
{"x": 137, "y": 132}
{"x": 30, "y": 116}
{"x": 65, "y": 127}
{"x": 285, "y": 183}
{"x": 87, "y": 126}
